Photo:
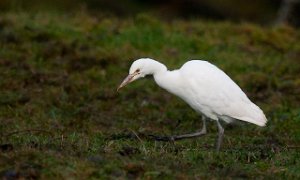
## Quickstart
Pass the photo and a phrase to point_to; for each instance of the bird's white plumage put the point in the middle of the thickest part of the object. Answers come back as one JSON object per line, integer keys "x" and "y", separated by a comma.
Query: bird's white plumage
{"x": 206, "y": 88}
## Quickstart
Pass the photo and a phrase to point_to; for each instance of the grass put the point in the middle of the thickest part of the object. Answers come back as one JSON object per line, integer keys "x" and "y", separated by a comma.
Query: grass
{"x": 61, "y": 116}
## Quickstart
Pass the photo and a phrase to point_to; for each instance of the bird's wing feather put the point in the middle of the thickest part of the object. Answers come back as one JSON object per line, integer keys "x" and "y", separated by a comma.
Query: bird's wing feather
{"x": 212, "y": 88}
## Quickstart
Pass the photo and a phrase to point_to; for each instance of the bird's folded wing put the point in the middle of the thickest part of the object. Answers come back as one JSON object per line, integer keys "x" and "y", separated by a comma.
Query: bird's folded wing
{"x": 213, "y": 89}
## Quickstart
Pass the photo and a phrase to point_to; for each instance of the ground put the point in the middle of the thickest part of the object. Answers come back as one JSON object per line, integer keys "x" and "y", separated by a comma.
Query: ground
{"x": 61, "y": 116}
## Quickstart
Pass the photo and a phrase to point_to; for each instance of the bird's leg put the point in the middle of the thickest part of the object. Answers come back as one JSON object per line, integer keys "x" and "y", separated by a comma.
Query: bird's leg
{"x": 220, "y": 135}
{"x": 204, "y": 124}
{"x": 184, "y": 136}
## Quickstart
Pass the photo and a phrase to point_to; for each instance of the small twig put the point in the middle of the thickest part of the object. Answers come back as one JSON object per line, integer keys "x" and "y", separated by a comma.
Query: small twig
{"x": 293, "y": 147}
{"x": 27, "y": 130}
{"x": 142, "y": 142}
{"x": 136, "y": 135}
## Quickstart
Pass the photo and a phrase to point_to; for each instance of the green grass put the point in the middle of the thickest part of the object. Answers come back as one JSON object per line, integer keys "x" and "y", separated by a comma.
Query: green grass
{"x": 61, "y": 116}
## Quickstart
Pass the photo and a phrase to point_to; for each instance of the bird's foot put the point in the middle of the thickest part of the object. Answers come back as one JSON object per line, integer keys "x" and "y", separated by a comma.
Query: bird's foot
{"x": 162, "y": 138}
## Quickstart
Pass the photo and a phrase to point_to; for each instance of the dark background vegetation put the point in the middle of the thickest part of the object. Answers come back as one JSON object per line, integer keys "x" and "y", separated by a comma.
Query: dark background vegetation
{"x": 260, "y": 11}
{"x": 60, "y": 65}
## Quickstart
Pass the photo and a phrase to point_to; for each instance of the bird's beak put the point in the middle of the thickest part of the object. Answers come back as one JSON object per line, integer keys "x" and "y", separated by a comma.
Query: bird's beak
{"x": 127, "y": 80}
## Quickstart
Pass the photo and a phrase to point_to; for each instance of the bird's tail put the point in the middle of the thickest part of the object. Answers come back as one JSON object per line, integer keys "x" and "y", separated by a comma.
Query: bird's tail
{"x": 254, "y": 115}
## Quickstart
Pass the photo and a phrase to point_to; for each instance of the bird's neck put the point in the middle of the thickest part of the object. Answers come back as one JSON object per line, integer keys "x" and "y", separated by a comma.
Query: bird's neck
{"x": 162, "y": 76}
{"x": 169, "y": 80}
{"x": 155, "y": 68}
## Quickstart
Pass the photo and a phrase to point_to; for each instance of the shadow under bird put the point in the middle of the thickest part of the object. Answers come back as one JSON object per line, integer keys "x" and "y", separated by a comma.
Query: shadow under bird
{"x": 206, "y": 88}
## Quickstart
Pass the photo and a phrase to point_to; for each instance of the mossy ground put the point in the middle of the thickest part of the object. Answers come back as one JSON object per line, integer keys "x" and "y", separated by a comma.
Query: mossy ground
{"x": 61, "y": 116}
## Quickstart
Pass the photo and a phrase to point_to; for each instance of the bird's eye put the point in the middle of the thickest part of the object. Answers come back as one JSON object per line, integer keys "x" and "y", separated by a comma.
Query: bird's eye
{"x": 138, "y": 70}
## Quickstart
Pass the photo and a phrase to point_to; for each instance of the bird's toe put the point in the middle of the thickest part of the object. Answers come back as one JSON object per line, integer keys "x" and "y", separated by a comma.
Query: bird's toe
{"x": 161, "y": 138}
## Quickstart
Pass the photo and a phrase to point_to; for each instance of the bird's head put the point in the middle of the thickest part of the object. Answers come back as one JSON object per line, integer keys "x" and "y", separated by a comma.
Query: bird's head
{"x": 138, "y": 69}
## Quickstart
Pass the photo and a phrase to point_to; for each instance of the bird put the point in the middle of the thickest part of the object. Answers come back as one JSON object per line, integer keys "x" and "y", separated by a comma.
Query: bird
{"x": 205, "y": 88}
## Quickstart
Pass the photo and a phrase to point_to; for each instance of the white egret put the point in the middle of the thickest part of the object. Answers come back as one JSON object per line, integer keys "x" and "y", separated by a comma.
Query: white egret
{"x": 206, "y": 88}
